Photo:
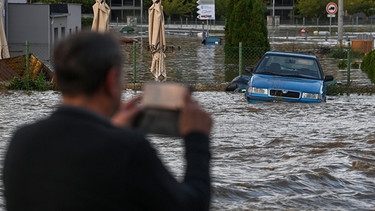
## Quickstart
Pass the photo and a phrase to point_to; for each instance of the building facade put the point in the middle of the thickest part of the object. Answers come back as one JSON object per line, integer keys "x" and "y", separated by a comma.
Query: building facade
{"x": 41, "y": 26}
{"x": 283, "y": 9}
{"x": 122, "y": 10}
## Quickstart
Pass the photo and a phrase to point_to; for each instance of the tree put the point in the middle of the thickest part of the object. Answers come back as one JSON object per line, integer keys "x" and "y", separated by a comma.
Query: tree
{"x": 259, "y": 36}
{"x": 358, "y": 6}
{"x": 313, "y": 9}
{"x": 220, "y": 8}
{"x": 177, "y": 7}
{"x": 246, "y": 24}
{"x": 352, "y": 6}
{"x": 368, "y": 7}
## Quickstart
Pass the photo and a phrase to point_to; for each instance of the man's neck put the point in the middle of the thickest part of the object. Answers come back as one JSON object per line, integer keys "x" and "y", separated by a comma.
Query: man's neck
{"x": 93, "y": 103}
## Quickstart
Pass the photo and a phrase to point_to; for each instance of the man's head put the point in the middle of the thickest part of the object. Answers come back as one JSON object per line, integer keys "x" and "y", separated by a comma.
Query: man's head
{"x": 88, "y": 71}
{"x": 82, "y": 61}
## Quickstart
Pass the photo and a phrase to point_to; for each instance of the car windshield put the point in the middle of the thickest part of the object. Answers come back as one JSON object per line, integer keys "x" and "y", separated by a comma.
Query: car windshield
{"x": 291, "y": 66}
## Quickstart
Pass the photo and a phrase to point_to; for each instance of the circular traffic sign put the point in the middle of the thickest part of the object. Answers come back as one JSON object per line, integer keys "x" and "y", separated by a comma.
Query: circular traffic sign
{"x": 331, "y": 8}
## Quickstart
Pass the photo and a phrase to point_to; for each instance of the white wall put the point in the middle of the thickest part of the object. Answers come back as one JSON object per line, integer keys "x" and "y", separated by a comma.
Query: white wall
{"x": 74, "y": 24}
{"x": 28, "y": 22}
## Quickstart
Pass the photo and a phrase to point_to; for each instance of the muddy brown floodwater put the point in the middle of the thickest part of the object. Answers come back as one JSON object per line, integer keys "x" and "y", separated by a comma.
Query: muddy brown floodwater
{"x": 266, "y": 156}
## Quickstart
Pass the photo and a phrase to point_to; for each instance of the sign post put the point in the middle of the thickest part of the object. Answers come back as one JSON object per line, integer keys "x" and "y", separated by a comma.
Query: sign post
{"x": 331, "y": 9}
{"x": 206, "y": 9}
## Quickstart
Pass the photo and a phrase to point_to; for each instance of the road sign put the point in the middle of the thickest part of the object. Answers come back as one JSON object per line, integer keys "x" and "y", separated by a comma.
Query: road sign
{"x": 206, "y": 9}
{"x": 331, "y": 8}
{"x": 206, "y": 2}
{"x": 205, "y": 17}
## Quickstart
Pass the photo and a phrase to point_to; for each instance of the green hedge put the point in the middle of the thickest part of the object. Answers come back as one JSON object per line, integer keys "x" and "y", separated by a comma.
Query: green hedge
{"x": 86, "y": 23}
{"x": 368, "y": 65}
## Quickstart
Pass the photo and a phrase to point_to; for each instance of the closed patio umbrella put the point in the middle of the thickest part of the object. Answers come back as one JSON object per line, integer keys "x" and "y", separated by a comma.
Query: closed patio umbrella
{"x": 156, "y": 38}
{"x": 4, "y": 51}
{"x": 101, "y": 16}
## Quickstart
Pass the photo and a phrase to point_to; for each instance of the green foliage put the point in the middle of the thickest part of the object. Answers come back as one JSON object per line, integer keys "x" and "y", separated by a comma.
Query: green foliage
{"x": 147, "y": 3}
{"x": 343, "y": 64}
{"x": 339, "y": 53}
{"x": 342, "y": 53}
{"x": 333, "y": 90}
{"x": 368, "y": 65}
{"x": 353, "y": 6}
{"x": 39, "y": 83}
{"x": 245, "y": 24}
{"x": 367, "y": 7}
{"x": 220, "y": 8}
{"x": 317, "y": 8}
{"x": 312, "y": 8}
{"x": 178, "y": 7}
{"x": 86, "y": 22}
{"x": 355, "y": 65}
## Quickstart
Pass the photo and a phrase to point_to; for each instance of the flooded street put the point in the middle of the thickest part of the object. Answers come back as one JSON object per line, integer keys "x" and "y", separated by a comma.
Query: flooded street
{"x": 189, "y": 61}
{"x": 266, "y": 156}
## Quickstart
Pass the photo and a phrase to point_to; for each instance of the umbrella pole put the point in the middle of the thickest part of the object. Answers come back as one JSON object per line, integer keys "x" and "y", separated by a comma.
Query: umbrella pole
{"x": 97, "y": 22}
{"x": 134, "y": 64}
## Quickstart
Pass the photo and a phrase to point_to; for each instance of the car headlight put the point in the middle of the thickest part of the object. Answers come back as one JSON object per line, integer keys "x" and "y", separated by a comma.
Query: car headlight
{"x": 255, "y": 90}
{"x": 311, "y": 96}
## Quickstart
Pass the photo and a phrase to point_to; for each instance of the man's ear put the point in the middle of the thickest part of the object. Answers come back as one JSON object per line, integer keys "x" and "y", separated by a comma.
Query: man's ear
{"x": 111, "y": 82}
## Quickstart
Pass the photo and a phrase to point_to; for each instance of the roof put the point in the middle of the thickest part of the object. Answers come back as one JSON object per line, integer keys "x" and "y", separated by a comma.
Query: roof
{"x": 58, "y": 9}
{"x": 15, "y": 67}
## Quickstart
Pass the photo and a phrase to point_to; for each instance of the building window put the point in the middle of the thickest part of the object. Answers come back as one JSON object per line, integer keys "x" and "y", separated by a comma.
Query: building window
{"x": 128, "y": 2}
{"x": 55, "y": 34}
{"x": 62, "y": 32}
{"x": 116, "y": 2}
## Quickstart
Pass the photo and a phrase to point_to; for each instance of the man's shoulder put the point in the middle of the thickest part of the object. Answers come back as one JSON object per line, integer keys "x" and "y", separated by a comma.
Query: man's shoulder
{"x": 128, "y": 134}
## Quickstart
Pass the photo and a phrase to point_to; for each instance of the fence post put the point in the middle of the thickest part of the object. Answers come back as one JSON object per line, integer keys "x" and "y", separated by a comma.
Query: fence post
{"x": 27, "y": 65}
{"x": 134, "y": 63}
{"x": 240, "y": 59}
{"x": 349, "y": 63}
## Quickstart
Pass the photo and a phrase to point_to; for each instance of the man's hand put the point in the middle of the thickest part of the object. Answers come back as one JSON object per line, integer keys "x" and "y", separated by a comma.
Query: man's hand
{"x": 127, "y": 112}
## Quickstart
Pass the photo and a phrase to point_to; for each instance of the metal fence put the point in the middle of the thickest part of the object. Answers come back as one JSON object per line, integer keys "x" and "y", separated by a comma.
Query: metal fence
{"x": 41, "y": 51}
{"x": 189, "y": 61}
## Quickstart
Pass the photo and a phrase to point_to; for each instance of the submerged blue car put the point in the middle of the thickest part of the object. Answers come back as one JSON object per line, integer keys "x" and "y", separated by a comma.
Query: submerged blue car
{"x": 287, "y": 77}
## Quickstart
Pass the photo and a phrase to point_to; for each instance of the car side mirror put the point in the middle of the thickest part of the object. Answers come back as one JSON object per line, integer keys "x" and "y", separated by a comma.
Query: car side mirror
{"x": 328, "y": 78}
{"x": 249, "y": 69}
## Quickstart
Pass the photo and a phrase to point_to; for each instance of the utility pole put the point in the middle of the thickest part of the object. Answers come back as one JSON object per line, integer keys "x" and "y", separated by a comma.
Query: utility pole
{"x": 273, "y": 13}
{"x": 340, "y": 21}
{"x": 141, "y": 20}
{"x": 141, "y": 14}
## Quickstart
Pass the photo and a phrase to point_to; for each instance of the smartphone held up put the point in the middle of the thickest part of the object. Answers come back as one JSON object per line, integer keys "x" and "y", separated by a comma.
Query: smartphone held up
{"x": 162, "y": 104}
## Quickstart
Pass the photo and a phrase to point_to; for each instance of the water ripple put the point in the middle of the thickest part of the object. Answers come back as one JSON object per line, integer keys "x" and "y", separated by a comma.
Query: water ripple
{"x": 265, "y": 156}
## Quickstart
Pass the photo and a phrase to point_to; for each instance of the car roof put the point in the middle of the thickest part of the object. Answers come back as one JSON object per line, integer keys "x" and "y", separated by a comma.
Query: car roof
{"x": 277, "y": 53}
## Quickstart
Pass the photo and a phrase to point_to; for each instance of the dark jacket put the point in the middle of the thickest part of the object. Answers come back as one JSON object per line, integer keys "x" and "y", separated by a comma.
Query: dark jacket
{"x": 77, "y": 160}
